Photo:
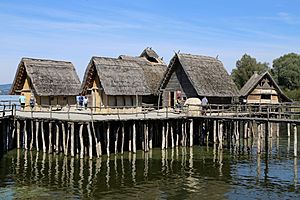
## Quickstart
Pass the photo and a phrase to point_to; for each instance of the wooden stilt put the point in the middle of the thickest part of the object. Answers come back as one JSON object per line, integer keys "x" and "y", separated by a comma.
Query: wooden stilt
{"x": 43, "y": 137}
{"x": 107, "y": 139}
{"x": 130, "y": 139}
{"x": 215, "y": 131}
{"x": 57, "y": 138}
{"x": 116, "y": 140}
{"x": 191, "y": 133}
{"x": 67, "y": 139}
{"x": 150, "y": 134}
{"x": 146, "y": 137}
{"x": 289, "y": 129}
{"x": 182, "y": 134}
{"x": 295, "y": 140}
{"x": 90, "y": 141}
{"x": 18, "y": 135}
{"x": 167, "y": 135}
{"x": 72, "y": 139}
{"x": 32, "y": 135}
{"x": 172, "y": 135}
{"x": 65, "y": 148}
{"x": 246, "y": 130}
{"x": 177, "y": 135}
{"x": 277, "y": 130}
{"x": 163, "y": 140}
{"x": 50, "y": 137}
{"x": 81, "y": 141}
{"x": 25, "y": 135}
{"x": 96, "y": 135}
{"x": 37, "y": 135}
{"x": 258, "y": 138}
{"x": 134, "y": 138}
{"x": 123, "y": 138}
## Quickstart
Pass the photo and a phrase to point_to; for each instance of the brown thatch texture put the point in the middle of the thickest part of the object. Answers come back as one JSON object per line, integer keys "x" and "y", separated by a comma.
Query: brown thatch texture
{"x": 251, "y": 84}
{"x": 48, "y": 77}
{"x": 125, "y": 75}
{"x": 149, "y": 52}
{"x": 207, "y": 75}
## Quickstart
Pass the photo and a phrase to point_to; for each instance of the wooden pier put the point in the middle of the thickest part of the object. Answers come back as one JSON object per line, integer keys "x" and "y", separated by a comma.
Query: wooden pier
{"x": 85, "y": 133}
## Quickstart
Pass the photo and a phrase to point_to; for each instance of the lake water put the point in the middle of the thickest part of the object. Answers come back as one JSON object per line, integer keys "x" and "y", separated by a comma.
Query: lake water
{"x": 182, "y": 173}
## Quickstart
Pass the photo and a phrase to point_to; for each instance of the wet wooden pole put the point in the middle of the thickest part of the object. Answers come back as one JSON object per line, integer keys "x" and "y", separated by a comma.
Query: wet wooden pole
{"x": 163, "y": 140}
{"x": 90, "y": 141}
{"x": 37, "y": 135}
{"x": 107, "y": 139}
{"x": 172, "y": 135}
{"x": 72, "y": 139}
{"x": 25, "y": 136}
{"x": 134, "y": 138}
{"x": 295, "y": 140}
{"x": 167, "y": 135}
{"x": 289, "y": 129}
{"x": 81, "y": 141}
{"x": 191, "y": 133}
{"x": 123, "y": 138}
{"x": 43, "y": 137}
{"x": 116, "y": 140}
{"x": 215, "y": 131}
{"x": 129, "y": 138}
{"x": 57, "y": 139}
{"x": 150, "y": 135}
{"x": 50, "y": 137}
{"x": 258, "y": 138}
{"x": 32, "y": 135}
{"x": 18, "y": 135}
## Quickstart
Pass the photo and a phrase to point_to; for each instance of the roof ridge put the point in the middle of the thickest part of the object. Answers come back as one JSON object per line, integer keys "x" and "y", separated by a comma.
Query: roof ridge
{"x": 43, "y": 59}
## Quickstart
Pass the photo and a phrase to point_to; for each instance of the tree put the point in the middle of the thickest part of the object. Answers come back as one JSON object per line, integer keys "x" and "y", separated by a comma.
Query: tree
{"x": 286, "y": 70}
{"x": 245, "y": 68}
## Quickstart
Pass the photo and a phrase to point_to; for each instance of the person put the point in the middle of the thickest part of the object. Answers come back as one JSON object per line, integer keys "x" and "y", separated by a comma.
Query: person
{"x": 80, "y": 101}
{"x": 204, "y": 103}
{"x": 85, "y": 101}
{"x": 178, "y": 103}
{"x": 22, "y": 100}
{"x": 32, "y": 102}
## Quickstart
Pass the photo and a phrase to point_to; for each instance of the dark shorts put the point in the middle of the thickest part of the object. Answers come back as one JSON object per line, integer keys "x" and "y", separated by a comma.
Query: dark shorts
{"x": 204, "y": 107}
{"x": 22, "y": 105}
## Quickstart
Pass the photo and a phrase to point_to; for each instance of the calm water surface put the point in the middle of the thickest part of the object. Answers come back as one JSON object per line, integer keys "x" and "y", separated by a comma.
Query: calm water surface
{"x": 181, "y": 173}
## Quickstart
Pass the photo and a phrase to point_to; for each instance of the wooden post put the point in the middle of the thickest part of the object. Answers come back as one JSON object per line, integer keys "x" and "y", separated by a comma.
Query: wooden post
{"x": 63, "y": 128}
{"x": 146, "y": 137}
{"x": 43, "y": 137}
{"x": 258, "y": 138}
{"x": 32, "y": 135}
{"x": 177, "y": 135}
{"x": 90, "y": 141}
{"x": 18, "y": 134}
{"x": 57, "y": 138}
{"x": 150, "y": 136}
{"x": 289, "y": 129}
{"x": 116, "y": 140}
{"x": 37, "y": 135}
{"x": 182, "y": 134}
{"x": 130, "y": 139}
{"x": 163, "y": 140}
{"x": 81, "y": 141}
{"x": 191, "y": 133}
{"x": 123, "y": 138}
{"x": 134, "y": 138}
{"x": 167, "y": 135}
{"x": 96, "y": 135}
{"x": 172, "y": 135}
{"x": 295, "y": 140}
{"x": 215, "y": 131}
{"x": 246, "y": 130}
{"x": 72, "y": 139}
{"x": 25, "y": 136}
{"x": 277, "y": 130}
{"x": 107, "y": 139}
{"x": 50, "y": 137}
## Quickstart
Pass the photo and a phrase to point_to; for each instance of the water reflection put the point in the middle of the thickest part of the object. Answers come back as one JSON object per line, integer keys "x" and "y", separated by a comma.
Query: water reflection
{"x": 178, "y": 173}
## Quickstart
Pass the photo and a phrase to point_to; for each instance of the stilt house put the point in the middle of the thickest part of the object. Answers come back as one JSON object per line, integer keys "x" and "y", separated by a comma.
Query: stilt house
{"x": 124, "y": 81}
{"x": 52, "y": 83}
{"x": 262, "y": 89}
{"x": 197, "y": 76}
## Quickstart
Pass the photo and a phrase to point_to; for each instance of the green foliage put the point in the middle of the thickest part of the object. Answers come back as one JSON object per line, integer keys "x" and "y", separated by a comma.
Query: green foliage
{"x": 293, "y": 94}
{"x": 286, "y": 70}
{"x": 245, "y": 68}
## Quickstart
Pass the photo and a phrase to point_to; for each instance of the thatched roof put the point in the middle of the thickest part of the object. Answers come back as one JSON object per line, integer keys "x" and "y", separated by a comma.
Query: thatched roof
{"x": 47, "y": 77}
{"x": 125, "y": 75}
{"x": 251, "y": 84}
{"x": 206, "y": 74}
{"x": 151, "y": 55}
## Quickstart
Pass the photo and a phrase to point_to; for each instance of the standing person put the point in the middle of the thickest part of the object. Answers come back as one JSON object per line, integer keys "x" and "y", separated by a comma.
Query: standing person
{"x": 204, "y": 103}
{"x": 80, "y": 101}
{"x": 85, "y": 101}
{"x": 22, "y": 100}
{"x": 32, "y": 102}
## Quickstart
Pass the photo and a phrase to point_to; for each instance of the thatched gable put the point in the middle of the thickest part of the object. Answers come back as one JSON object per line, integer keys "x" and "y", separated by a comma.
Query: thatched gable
{"x": 47, "y": 77}
{"x": 255, "y": 79}
{"x": 151, "y": 55}
{"x": 206, "y": 75}
{"x": 124, "y": 75}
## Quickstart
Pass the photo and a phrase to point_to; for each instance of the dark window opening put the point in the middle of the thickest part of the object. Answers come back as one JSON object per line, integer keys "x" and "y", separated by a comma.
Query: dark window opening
{"x": 65, "y": 98}
{"x": 266, "y": 96}
{"x": 151, "y": 59}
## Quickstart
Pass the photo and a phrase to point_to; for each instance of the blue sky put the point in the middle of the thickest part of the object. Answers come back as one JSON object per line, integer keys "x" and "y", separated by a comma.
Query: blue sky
{"x": 76, "y": 30}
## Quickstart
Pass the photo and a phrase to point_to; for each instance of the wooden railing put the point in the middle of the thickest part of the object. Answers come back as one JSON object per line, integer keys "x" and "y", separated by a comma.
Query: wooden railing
{"x": 286, "y": 110}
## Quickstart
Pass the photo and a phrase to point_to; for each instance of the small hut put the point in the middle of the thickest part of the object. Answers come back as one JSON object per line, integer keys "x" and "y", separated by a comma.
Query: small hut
{"x": 262, "y": 89}
{"x": 52, "y": 83}
{"x": 197, "y": 76}
{"x": 123, "y": 81}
